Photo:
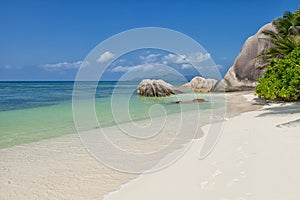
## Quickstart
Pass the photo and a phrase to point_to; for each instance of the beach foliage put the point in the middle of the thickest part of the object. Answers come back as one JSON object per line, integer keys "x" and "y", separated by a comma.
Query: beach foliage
{"x": 285, "y": 39}
{"x": 281, "y": 80}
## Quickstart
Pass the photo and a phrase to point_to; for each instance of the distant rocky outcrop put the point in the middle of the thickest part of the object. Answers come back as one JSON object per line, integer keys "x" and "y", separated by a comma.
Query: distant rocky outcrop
{"x": 155, "y": 88}
{"x": 245, "y": 70}
{"x": 199, "y": 84}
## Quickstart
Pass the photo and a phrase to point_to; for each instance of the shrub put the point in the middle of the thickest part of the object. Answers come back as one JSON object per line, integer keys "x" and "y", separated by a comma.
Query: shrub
{"x": 281, "y": 81}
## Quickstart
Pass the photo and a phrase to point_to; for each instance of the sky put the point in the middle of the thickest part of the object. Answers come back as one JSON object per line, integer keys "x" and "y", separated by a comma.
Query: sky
{"x": 49, "y": 39}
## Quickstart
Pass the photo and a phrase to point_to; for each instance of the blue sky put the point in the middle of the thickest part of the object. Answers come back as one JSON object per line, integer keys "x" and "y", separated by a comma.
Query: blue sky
{"x": 60, "y": 34}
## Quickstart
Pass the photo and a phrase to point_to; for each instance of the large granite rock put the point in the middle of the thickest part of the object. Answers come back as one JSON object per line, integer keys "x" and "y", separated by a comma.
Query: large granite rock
{"x": 245, "y": 70}
{"x": 155, "y": 88}
{"x": 200, "y": 84}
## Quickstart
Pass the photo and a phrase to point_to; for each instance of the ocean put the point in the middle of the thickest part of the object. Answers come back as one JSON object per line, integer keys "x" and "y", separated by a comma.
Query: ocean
{"x": 32, "y": 111}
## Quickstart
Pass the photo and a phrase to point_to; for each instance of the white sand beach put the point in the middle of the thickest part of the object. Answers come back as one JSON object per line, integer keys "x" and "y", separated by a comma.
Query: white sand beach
{"x": 257, "y": 157}
{"x": 149, "y": 100}
{"x": 58, "y": 168}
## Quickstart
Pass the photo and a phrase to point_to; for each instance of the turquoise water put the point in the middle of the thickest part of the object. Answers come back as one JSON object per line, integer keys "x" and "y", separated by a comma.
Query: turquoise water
{"x": 31, "y": 111}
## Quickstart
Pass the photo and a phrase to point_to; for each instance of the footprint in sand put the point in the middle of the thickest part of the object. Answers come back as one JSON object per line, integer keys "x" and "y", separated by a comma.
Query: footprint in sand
{"x": 217, "y": 173}
{"x": 243, "y": 174}
{"x": 204, "y": 184}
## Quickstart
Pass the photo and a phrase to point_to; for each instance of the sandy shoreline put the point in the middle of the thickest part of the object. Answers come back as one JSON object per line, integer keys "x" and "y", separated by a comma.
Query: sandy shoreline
{"x": 258, "y": 157}
{"x": 61, "y": 168}
{"x": 58, "y": 168}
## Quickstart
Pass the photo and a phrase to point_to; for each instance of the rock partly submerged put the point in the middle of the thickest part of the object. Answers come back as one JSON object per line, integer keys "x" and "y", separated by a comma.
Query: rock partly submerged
{"x": 199, "y": 84}
{"x": 243, "y": 74}
{"x": 189, "y": 101}
{"x": 160, "y": 88}
{"x": 155, "y": 88}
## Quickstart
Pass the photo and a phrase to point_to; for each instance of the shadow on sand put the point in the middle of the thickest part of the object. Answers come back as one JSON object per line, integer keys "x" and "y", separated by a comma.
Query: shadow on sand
{"x": 292, "y": 108}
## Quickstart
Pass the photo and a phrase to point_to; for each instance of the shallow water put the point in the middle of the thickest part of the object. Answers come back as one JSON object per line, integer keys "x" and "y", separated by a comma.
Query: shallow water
{"x": 31, "y": 111}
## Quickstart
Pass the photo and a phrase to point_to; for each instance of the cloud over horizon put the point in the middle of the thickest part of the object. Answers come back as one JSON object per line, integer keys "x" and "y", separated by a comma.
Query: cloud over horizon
{"x": 150, "y": 58}
{"x": 105, "y": 57}
{"x": 142, "y": 67}
{"x": 157, "y": 60}
{"x": 196, "y": 57}
{"x": 62, "y": 66}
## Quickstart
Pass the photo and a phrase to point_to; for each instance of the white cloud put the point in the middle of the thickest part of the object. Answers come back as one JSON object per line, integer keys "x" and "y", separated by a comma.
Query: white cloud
{"x": 173, "y": 58}
{"x": 186, "y": 66}
{"x": 197, "y": 57}
{"x": 62, "y": 66}
{"x": 155, "y": 62}
{"x": 105, "y": 57}
{"x": 120, "y": 69}
{"x": 143, "y": 67}
{"x": 149, "y": 58}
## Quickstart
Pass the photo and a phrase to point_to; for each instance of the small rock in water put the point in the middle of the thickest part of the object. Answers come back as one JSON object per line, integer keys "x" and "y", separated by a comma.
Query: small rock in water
{"x": 190, "y": 101}
{"x": 155, "y": 88}
{"x": 199, "y": 100}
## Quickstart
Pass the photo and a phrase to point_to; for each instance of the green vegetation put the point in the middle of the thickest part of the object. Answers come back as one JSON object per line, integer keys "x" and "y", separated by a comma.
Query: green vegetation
{"x": 281, "y": 81}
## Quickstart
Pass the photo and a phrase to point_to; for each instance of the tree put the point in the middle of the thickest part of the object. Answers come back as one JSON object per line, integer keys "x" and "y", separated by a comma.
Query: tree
{"x": 285, "y": 39}
{"x": 288, "y": 24}
{"x": 281, "y": 48}
{"x": 281, "y": 81}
